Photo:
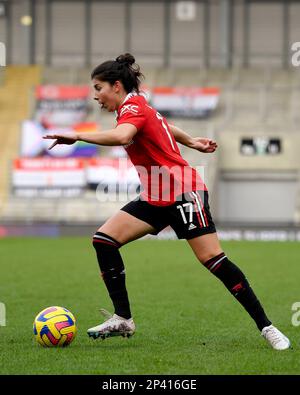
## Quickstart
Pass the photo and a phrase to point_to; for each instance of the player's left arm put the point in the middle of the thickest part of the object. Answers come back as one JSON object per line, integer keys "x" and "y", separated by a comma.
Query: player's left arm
{"x": 202, "y": 144}
{"x": 120, "y": 135}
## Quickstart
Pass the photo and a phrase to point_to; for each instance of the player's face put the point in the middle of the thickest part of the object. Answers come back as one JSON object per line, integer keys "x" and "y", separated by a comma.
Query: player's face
{"x": 106, "y": 95}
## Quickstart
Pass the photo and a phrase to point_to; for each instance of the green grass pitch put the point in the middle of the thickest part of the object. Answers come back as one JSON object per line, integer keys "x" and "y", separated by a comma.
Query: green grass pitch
{"x": 187, "y": 322}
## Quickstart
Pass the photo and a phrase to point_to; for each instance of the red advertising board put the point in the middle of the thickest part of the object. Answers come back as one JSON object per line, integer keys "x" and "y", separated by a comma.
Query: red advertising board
{"x": 195, "y": 102}
{"x": 49, "y": 177}
{"x": 62, "y": 92}
{"x": 61, "y": 105}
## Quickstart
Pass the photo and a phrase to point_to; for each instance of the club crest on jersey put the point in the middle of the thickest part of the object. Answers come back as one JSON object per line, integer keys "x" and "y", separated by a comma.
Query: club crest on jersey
{"x": 129, "y": 108}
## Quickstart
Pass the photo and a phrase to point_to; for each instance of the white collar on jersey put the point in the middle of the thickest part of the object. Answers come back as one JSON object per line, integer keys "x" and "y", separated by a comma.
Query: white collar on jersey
{"x": 129, "y": 96}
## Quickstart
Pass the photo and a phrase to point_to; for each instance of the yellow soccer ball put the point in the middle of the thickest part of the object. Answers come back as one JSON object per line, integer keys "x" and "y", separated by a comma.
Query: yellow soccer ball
{"x": 54, "y": 327}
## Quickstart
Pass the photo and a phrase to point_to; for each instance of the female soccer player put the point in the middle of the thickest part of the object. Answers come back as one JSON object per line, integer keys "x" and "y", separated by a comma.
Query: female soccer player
{"x": 173, "y": 194}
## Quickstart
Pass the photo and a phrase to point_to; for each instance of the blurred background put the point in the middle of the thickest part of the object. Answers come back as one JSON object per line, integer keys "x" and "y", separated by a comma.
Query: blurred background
{"x": 216, "y": 68}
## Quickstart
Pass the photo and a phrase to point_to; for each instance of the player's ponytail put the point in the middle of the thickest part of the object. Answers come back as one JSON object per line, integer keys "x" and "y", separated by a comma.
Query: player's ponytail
{"x": 126, "y": 59}
{"x": 123, "y": 69}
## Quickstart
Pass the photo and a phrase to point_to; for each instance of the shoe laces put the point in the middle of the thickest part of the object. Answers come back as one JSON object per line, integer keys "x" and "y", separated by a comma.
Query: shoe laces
{"x": 109, "y": 318}
{"x": 273, "y": 335}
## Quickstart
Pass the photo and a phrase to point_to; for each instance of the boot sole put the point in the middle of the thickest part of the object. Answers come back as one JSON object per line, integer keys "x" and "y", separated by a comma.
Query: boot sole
{"x": 103, "y": 336}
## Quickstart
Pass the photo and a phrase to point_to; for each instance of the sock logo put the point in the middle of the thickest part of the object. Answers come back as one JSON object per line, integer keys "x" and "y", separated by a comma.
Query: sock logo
{"x": 237, "y": 288}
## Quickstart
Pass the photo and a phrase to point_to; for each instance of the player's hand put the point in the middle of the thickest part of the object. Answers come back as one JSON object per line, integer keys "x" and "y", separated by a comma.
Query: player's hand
{"x": 204, "y": 144}
{"x": 61, "y": 138}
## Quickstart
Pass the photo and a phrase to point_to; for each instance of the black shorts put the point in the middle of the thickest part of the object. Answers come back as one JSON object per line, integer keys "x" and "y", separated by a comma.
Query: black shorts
{"x": 189, "y": 216}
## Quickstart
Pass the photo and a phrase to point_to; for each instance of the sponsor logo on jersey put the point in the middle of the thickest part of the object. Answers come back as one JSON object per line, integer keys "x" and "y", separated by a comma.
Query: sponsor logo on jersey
{"x": 132, "y": 108}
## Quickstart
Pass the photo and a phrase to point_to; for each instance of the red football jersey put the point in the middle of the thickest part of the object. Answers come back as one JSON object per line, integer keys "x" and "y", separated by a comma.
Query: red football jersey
{"x": 163, "y": 173}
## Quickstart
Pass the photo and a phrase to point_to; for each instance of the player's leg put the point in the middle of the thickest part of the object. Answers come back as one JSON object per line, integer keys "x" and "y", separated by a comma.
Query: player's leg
{"x": 125, "y": 227}
{"x": 191, "y": 220}
{"x": 209, "y": 252}
{"x": 117, "y": 231}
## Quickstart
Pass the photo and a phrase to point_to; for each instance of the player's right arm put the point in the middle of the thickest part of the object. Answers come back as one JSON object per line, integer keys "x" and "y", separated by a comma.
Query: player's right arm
{"x": 202, "y": 144}
{"x": 121, "y": 135}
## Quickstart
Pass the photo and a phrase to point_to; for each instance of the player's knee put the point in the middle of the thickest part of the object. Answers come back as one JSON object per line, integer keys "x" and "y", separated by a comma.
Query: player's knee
{"x": 207, "y": 257}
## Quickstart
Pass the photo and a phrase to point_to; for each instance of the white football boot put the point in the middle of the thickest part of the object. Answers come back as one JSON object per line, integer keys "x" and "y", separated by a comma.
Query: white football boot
{"x": 276, "y": 339}
{"x": 113, "y": 326}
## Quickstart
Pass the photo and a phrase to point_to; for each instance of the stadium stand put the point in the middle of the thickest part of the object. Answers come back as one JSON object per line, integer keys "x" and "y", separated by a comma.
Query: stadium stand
{"x": 252, "y": 101}
{"x": 15, "y": 106}
{"x": 65, "y": 75}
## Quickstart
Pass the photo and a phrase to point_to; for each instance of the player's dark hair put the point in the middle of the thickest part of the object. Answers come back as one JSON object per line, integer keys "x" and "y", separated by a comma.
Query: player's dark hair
{"x": 122, "y": 69}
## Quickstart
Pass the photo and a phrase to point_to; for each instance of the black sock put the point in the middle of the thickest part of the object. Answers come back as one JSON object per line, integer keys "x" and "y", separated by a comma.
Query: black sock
{"x": 236, "y": 282}
{"x": 113, "y": 272}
